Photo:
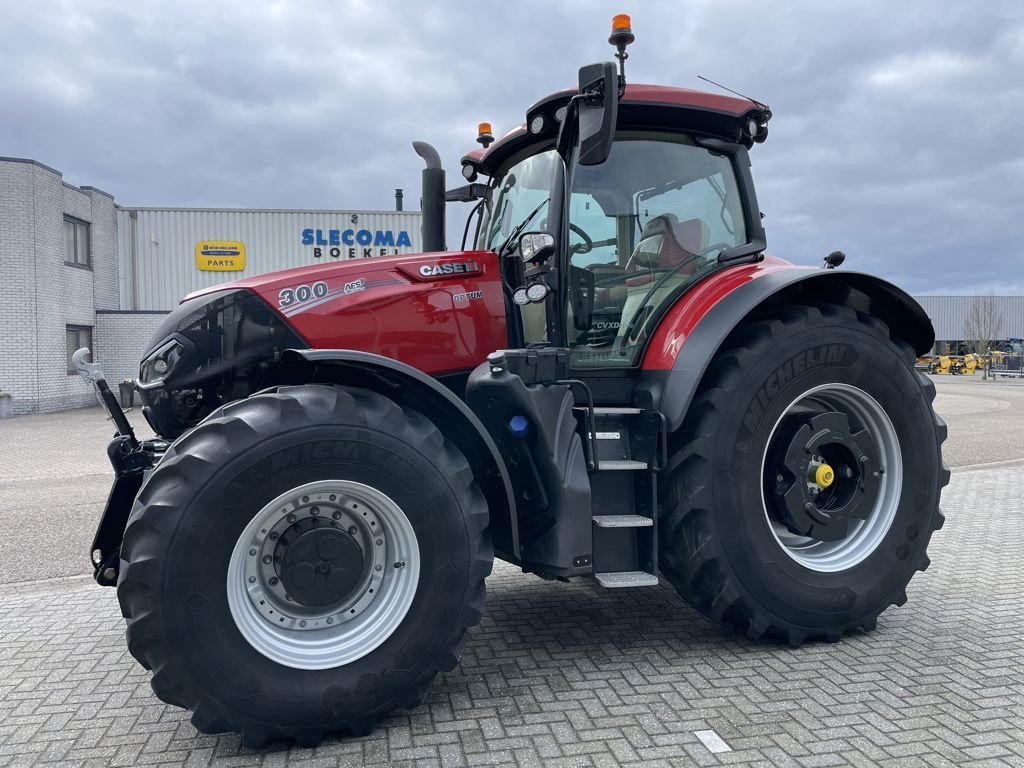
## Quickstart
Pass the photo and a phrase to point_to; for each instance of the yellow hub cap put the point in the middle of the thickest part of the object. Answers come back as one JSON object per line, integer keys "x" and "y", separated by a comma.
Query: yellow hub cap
{"x": 824, "y": 476}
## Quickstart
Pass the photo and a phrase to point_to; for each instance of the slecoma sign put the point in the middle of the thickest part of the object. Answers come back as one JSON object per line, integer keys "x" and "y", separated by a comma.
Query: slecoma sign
{"x": 355, "y": 243}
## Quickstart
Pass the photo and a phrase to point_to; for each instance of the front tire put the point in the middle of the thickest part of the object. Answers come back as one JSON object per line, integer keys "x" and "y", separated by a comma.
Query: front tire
{"x": 804, "y": 484}
{"x": 303, "y": 562}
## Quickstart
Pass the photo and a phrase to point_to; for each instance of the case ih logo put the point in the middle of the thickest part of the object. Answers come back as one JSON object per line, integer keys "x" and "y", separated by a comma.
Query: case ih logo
{"x": 450, "y": 268}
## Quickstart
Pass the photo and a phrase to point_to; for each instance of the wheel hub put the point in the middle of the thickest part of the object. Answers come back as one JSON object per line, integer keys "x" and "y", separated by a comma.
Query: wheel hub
{"x": 317, "y": 561}
{"x": 323, "y": 574}
{"x": 321, "y": 566}
{"x": 827, "y": 474}
{"x": 832, "y": 473}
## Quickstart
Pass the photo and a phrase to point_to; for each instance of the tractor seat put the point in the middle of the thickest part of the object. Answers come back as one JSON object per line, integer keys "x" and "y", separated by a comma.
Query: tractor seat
{"x": 664, "y": 243}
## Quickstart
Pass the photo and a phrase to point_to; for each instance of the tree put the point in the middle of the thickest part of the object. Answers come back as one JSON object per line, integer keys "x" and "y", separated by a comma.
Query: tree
{"x": 984, "y": 324}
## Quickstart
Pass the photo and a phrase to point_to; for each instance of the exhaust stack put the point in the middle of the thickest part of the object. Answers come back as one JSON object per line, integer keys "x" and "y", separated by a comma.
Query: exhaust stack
{"x": 433, "y": 195}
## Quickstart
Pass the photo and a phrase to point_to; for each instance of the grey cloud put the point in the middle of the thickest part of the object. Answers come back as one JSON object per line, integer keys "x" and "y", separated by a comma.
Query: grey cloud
{"x": 895, "y": 134}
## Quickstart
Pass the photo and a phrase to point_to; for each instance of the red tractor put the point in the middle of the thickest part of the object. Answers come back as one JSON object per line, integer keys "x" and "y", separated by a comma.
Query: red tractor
{"x": 615, "y": 383}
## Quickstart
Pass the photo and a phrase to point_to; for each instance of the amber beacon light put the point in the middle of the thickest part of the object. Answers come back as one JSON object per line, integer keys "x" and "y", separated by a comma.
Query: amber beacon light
{"x": 621, "y": 36}
{"x": 622, "y": 30}
{"x": 484, "y": 136}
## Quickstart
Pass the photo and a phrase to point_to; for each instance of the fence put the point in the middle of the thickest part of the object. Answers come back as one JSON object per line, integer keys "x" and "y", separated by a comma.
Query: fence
{"x": 1007, "y": 366}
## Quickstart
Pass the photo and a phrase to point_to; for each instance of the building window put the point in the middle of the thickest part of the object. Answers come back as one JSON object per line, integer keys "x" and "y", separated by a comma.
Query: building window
{"x": 76, "y": 242}
{"x": 78, "y": 336}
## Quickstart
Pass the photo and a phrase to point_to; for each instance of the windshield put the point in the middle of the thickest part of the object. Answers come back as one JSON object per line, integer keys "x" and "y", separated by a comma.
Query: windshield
{"x": 643, "y": 225}
{"x": 522, "y": 191}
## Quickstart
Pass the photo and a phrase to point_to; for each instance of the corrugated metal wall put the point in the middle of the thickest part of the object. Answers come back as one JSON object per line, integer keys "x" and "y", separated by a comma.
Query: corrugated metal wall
{"x": 161, "y": 268}
{"x": 949, "y": 313}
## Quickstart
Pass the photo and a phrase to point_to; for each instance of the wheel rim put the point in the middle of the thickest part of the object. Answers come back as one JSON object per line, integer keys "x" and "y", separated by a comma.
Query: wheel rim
{"x": 323, "y": 574}
{"x": 831, "y": 473}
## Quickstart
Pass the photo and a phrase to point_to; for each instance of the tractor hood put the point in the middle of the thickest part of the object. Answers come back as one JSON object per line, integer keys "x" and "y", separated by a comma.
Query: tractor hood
{"x": 439, "y": 312}
{"x": 442, "y": 313}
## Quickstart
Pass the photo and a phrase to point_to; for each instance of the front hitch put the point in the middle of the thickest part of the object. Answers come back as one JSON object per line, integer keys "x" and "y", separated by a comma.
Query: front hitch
{"x": 93, "y": 373}
{"x": 131, "y": 459}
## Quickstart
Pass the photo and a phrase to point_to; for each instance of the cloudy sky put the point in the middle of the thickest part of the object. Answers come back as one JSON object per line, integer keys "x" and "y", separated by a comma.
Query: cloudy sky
{"x": 898, "y": 134}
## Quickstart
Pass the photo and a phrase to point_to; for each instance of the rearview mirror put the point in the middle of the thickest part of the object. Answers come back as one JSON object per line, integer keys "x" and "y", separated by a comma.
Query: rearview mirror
{"x": 598, "y": 112}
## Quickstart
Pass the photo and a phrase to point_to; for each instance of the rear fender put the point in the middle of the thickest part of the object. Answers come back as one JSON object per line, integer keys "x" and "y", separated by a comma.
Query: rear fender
{"x": 414, "y": 389}
{"x": 694, "y": 329}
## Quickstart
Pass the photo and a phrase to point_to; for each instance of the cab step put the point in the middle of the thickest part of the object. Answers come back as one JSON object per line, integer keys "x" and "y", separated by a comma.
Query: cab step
{"x": 622, "y": 521}
{"x": 622, "y": 579}
{"x": 621, "y": 464}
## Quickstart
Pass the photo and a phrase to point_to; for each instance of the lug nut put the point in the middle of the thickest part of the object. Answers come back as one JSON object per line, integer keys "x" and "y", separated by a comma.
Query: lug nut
{"x": 252, "y": 579}
{"x": 353, "y": 530}
{"x": 377, "y": 567}
{"x": 314, "y": 511}
{"x": 291, "y": 518}
{"x": 267, "y": 559}
{"x": 400, "y": 564}
{"x": 332, "y": 497}
{"x": 274, "y": 535}
{"x": 379, "y": 542}
{"x": 252, "y": 551}
{"x": 336, "y": 515}
{"x": 330, "y": 620}
{"x": 273, "y": 581}
{"x": 305, "y": 499}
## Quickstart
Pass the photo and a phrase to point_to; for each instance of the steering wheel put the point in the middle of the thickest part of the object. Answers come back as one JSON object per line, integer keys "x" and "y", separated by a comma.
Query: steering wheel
{"x": 701, "y": 252}
{"x": 586, "y": 246}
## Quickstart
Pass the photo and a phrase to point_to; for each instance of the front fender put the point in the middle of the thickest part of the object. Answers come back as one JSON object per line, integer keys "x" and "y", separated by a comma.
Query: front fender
{"x": 694, "y": 328}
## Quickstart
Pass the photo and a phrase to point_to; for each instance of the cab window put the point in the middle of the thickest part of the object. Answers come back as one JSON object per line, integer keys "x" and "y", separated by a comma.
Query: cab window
{"x": 646, "y": 223}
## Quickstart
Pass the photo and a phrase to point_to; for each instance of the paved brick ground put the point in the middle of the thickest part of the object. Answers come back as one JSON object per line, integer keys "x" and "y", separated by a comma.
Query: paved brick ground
{"x": 557, "y": 675}
{"x": 578, "y": 676}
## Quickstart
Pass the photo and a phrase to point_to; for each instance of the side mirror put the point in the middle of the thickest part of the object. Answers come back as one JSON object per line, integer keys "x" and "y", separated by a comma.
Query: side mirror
{"x": 598, "y": 112}
{"x": 536, "y": 246}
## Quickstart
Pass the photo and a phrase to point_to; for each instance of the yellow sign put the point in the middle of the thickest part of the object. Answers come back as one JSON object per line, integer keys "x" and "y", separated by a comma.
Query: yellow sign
{"x": 220, "y": 256}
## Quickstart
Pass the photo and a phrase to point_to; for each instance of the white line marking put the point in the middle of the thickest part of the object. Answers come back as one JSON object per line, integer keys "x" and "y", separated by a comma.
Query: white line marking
{"x": 712, "y": 741}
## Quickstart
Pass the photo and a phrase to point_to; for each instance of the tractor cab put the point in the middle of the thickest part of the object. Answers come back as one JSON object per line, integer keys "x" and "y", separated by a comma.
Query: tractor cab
{"x": 665, "y": 200}
{"x": 659, "y": 214}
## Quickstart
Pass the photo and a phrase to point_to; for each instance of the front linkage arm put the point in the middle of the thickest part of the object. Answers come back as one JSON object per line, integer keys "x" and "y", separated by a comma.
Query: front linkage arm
{"x": 131, "y": 459}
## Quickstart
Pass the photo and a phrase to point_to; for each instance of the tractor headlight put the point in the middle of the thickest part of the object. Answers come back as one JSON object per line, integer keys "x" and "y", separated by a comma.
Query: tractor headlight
{"x": 157, "y": 366}
{"x": 535, "y": 245}
{"x": 537, "y": 124}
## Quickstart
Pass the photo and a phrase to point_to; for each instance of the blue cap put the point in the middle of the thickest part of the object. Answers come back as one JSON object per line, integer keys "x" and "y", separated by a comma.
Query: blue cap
{"x": 519, "y": 426}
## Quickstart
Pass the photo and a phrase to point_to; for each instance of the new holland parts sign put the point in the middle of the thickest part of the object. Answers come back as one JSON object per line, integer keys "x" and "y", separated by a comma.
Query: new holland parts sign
{"x": 220, "y": 256}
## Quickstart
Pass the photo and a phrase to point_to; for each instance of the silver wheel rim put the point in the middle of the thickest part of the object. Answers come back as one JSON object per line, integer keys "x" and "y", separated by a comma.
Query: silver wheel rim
{"x": 863, "y": 536}
{"x": 305, "y": 637}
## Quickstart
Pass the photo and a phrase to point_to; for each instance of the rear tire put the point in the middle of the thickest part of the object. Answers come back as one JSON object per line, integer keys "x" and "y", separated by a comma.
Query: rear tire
{"x": 734, "y": 546}
{"x": 198, "y": 602}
